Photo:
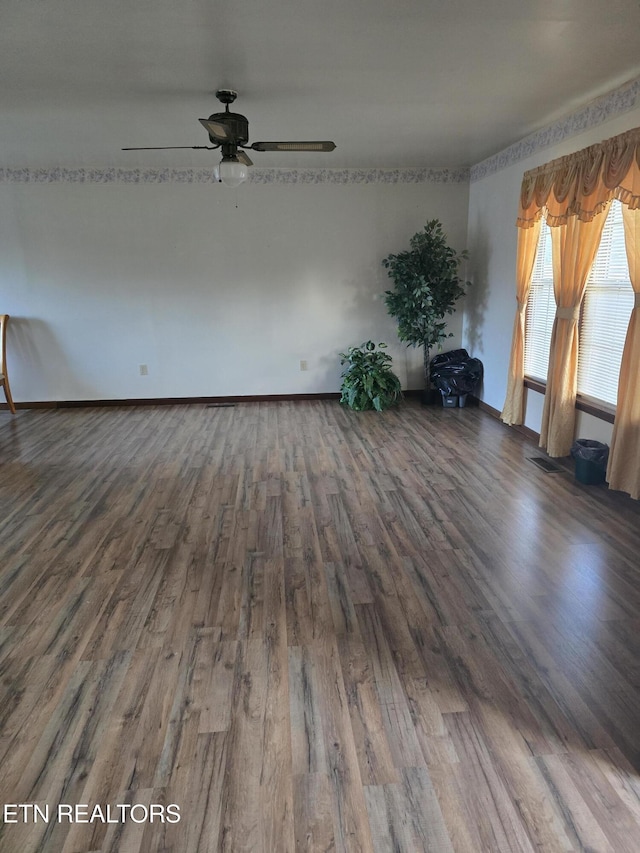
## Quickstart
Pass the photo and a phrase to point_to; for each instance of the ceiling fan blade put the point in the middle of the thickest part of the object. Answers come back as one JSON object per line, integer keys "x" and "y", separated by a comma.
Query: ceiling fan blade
{"x": 293, "y": 146}
{"x": 244, "y": 158}
{"x": 215, "y": 129}
{"x": 170, "y": 147}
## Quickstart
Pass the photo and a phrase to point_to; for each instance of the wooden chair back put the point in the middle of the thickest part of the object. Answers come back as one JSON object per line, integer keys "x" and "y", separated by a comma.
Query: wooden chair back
{"x": 4, "y": 379}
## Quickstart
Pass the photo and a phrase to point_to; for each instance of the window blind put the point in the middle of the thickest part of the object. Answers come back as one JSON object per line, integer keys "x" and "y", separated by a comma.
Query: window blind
{"x": 606, "y": 310}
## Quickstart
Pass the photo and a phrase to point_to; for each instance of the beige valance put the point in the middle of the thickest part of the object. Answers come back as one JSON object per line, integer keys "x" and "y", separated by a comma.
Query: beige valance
{"x": 581, "y": 184}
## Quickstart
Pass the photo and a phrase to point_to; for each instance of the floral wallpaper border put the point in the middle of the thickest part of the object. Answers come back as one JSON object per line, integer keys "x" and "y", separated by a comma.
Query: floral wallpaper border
{"x": 614, "y": 103}
{"x": 256, "y": 176}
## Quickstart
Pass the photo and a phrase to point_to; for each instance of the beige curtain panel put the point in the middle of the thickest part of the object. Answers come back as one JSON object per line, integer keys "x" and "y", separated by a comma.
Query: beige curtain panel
{"x": 624, "y": 456}
{"x": 513, "y": 410}
{"x": 573, "y": 193}
{"x": 574, "y": 246}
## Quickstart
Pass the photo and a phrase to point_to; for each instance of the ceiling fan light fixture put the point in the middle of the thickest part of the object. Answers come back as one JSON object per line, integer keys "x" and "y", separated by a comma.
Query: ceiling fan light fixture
{"x": 231, "y": 172}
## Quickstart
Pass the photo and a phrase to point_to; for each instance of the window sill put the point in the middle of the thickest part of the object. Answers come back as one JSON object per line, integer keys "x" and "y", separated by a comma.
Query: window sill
{"x": 597, "y": 408}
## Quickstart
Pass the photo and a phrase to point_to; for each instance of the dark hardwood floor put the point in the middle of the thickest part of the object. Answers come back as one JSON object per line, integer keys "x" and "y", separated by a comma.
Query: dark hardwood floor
{"x": 311, "y": 630}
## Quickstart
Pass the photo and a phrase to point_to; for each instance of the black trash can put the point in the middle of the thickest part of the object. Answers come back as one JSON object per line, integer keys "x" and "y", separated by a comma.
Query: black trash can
{"x": 591, "y": 461}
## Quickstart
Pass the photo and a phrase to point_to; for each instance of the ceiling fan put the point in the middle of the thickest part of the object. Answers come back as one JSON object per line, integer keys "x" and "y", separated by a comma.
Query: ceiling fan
{"x": 230, "y": 132}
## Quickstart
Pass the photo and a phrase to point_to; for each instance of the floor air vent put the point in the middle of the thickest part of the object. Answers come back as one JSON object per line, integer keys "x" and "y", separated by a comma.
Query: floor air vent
{"x": 547, "y": 465}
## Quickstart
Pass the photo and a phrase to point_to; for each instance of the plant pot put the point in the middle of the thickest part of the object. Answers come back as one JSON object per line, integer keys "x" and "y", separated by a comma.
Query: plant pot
{"x": 429, "y": 396}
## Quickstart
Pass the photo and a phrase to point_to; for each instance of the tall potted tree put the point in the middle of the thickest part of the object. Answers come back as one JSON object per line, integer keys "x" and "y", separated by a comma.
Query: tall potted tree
{"x": 426, "y": 288}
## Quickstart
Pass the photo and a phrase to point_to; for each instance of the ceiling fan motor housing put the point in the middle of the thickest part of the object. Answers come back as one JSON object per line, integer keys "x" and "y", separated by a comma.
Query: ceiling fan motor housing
{"x": 238, "y": 127}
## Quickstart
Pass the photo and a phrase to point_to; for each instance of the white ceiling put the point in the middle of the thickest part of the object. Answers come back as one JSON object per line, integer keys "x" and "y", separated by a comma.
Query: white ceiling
{"x": 404, "y": 84}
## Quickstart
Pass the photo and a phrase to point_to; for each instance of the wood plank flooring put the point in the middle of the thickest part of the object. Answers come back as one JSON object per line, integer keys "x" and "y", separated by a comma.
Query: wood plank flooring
{"x": 312, "y": 630}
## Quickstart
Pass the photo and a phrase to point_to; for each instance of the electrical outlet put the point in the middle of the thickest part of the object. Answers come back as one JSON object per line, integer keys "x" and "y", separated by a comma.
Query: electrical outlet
{"x": 303, "y": 364}
{"x": 144, "y": 370}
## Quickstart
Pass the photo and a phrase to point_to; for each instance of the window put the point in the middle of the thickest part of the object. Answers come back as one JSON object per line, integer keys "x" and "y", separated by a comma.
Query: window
{"x": 604, "y": 316}
{"x": 606, "y": 309}
{"x": 541, "y": 309}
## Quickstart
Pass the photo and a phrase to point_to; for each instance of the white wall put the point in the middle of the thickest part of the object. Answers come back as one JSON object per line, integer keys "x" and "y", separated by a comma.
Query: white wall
{"x": 216, "y": 299}
{"x": 490, "y": 306}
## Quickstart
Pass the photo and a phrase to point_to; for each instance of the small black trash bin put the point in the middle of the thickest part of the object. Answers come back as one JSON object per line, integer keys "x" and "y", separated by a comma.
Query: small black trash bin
{"x": 591, "y": 461}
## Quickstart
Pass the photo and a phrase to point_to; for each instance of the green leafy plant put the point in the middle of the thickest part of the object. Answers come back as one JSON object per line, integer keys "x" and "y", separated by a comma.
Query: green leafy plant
{"x": 368, "y": 381}
{"x": 426, "y": 288}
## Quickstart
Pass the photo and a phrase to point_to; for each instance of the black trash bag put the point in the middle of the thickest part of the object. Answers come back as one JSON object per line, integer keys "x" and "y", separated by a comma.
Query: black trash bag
{"x": 454, "y": 356}
{"x": 454, "y": 373}
{"x": 591, "y": 451}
